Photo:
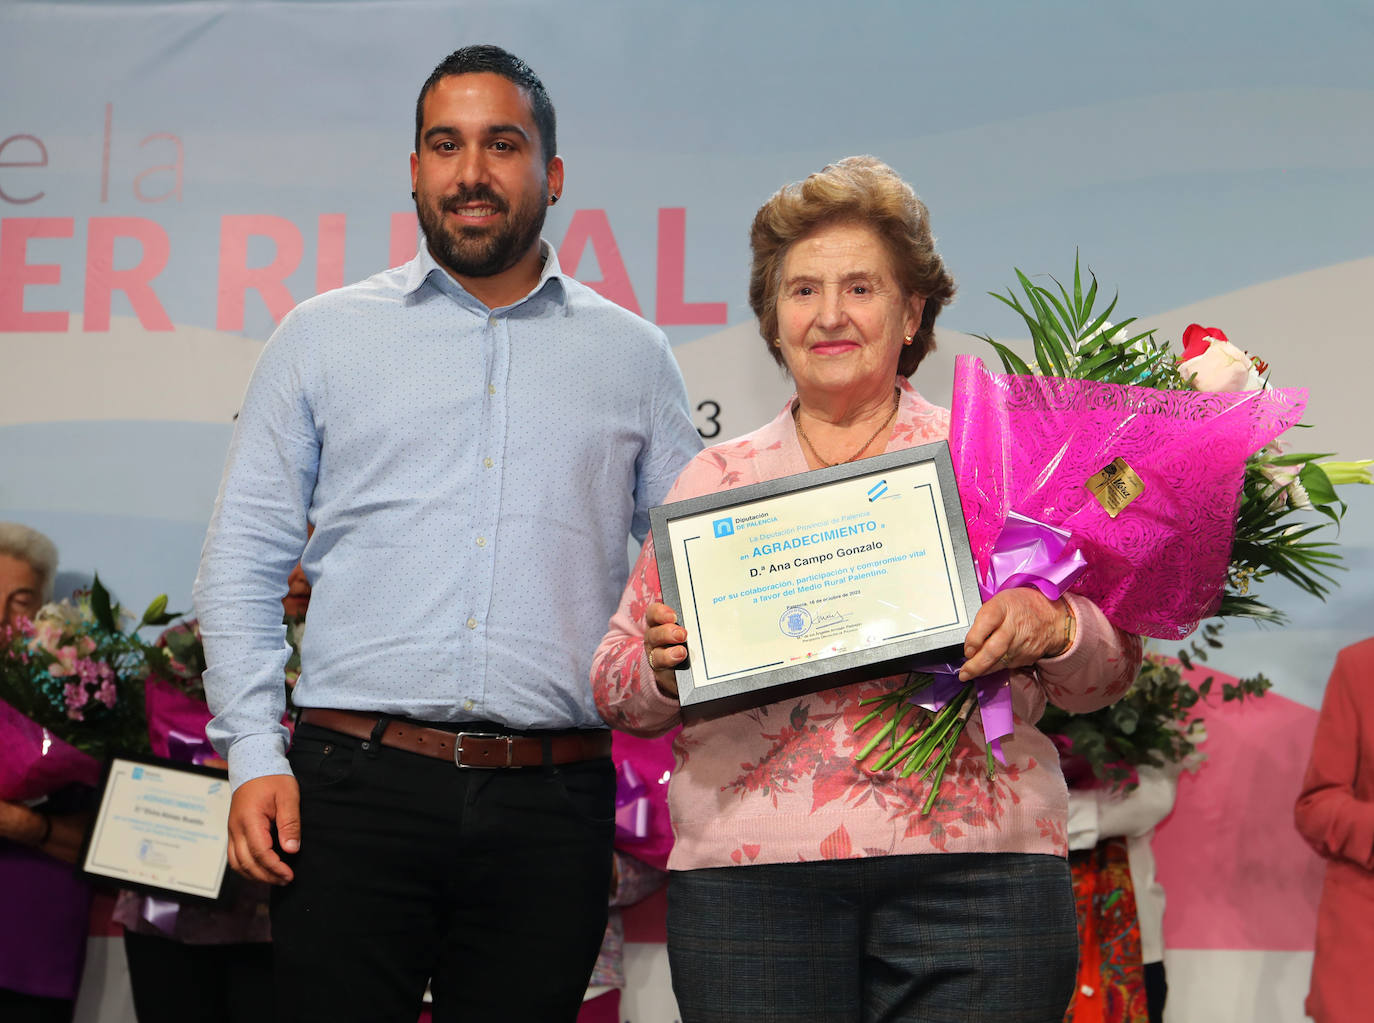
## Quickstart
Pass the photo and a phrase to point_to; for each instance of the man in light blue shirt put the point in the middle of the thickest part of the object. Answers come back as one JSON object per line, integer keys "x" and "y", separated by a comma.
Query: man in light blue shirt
{"x": 472, "y": 436}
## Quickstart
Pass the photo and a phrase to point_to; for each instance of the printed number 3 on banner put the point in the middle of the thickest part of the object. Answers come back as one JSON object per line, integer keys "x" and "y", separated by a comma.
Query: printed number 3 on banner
{"x": 712, "y": 428}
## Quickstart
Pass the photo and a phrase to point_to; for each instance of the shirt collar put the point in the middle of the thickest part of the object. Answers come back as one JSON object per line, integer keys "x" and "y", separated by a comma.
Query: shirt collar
{"x": 423, "y": 268}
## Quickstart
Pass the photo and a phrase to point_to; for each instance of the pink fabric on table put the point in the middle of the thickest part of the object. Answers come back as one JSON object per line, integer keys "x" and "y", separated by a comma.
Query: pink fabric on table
{"x": 1030, "y": 443}
{"x": 1236, "y": 872}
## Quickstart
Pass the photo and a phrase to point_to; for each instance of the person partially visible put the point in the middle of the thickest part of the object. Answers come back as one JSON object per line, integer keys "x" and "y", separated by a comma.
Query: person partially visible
{"x": 801, "y": 885}
{"x": 44, "y": 904}
{"x": 1099, "y": 815}
{"x": 631, "y": 881}
{"x": 643, "y": 837}
{"x": 474, "y": 436}
{"x": 28, "y": 567}
{"x": 211, "y": 962}
{"x": 1335, "y": 814}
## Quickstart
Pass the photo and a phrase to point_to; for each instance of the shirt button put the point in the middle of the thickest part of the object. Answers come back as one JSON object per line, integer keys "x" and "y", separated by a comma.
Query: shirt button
{"x": 472, "y": 623}
{"x": 481, "y": 541}
{"x": 468, "y": 705}
{"x": 491, "y": 388}
{"x": 488, "y": 462}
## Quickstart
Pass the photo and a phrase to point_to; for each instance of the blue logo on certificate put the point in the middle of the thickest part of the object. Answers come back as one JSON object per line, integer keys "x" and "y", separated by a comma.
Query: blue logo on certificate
{"x": 138, "y": 773}
{"x": 724, "y": 527}
{"x": 795, "y": 622}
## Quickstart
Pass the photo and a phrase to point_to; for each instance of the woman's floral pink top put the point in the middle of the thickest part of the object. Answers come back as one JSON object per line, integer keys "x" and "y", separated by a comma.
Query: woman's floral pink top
{"x": 779, "y": 783}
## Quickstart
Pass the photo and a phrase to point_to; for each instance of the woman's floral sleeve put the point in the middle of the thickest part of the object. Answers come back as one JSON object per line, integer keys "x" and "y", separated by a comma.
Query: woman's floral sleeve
{"x": 1097, "y": 668}
{"x": 626, "y": 693}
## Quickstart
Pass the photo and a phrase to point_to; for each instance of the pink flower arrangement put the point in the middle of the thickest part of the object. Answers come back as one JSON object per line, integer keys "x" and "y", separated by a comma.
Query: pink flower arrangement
{"x": 71, "y": 679}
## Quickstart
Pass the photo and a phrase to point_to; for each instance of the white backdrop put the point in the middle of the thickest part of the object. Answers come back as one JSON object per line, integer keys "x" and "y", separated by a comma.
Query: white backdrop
{"x": 174, "y": 176}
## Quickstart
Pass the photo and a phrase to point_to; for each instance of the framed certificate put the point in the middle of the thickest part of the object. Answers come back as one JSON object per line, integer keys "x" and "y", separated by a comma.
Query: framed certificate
{"x": 819, "y": 579}
{"x": 161, "y": 826}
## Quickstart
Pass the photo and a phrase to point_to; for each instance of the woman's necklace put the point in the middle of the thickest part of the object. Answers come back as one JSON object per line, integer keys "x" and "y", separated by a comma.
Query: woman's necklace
{"x": 801, "y": 432}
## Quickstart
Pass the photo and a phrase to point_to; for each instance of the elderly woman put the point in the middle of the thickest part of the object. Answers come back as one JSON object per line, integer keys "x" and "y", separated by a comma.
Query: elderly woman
{"x": 803, "y": 887}
{"x": 44, "y": 921}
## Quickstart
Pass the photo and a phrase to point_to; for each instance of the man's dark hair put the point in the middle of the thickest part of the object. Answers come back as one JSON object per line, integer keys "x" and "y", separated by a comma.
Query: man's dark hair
{"x": 471, "y": 60}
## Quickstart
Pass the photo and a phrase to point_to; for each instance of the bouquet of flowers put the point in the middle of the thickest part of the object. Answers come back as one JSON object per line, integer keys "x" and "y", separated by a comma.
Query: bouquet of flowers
{"x": 1154, "y": 724}
{"x": 1196, "y": 505}
{"x": 175, "y": 689}
{"x": 178, "y": 657}
{"x": 71, "y": 690}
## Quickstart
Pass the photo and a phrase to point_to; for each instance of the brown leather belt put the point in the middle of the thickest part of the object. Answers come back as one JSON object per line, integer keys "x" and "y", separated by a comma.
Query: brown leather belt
{"x": 466, "y": 749}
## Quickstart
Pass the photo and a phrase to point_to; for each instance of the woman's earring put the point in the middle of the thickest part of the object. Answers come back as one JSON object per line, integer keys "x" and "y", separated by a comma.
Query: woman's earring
{"x": 908, "y": 339}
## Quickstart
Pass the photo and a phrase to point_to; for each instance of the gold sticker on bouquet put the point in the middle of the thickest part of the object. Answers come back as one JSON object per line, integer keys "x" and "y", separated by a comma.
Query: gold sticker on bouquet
{"x": 1116, "y": 486}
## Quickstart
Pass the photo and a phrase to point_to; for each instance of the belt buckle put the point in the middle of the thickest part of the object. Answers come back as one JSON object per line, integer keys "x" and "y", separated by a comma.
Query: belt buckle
{"x": 458, "y": 751}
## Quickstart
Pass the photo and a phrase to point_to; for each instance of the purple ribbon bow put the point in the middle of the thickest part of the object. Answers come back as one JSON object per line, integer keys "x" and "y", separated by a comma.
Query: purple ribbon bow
{"x": 161, "y": 913}
{"x": 1027, "y": 553}
{"x": 188, "y": 747}
{"x": 632, "y": 806}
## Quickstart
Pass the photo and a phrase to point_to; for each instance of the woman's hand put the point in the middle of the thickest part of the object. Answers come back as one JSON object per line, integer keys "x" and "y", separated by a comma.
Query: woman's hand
{"x": 59, "y": 835}
{"x": 1015, "y": 628}
{"x": 20, "y": 824}
{"x": 663, "y": 642}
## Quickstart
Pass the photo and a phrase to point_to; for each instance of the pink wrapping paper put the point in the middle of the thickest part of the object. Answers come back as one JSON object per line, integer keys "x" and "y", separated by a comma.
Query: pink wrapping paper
{"x": 652, "y": 762}
{"x": 172, "y": 712}
{"x": 34, "y": 762}
{"x": 1029, "y": 443}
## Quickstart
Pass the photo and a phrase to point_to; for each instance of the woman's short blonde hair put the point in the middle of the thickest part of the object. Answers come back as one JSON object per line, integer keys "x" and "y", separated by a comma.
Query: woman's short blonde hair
{"x": 857, "y": 190}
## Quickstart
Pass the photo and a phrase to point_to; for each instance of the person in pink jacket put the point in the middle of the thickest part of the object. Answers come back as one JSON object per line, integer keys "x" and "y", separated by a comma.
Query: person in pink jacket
{"x": 1335, "y": 813}
{"x": 801, "y": 886}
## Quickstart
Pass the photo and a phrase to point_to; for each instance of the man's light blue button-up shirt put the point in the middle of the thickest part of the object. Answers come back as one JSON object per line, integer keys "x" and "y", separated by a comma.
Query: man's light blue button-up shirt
{"x": 472, "y": 476}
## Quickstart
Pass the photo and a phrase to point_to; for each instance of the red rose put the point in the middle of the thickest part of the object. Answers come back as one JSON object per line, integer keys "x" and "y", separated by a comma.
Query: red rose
{"x": 1197, "y": 339}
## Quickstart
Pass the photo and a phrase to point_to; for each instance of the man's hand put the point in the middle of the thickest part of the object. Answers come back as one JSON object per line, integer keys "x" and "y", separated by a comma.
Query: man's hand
{"x": 255, "y": 806}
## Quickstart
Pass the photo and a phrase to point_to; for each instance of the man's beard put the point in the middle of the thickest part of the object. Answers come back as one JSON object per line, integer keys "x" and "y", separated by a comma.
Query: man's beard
{"x": 484, "y": 251}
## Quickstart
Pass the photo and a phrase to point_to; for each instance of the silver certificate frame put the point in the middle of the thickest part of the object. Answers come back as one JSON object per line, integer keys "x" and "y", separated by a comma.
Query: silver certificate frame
{"x": 819, "y": 579}
{"x": 161, "y": 827}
